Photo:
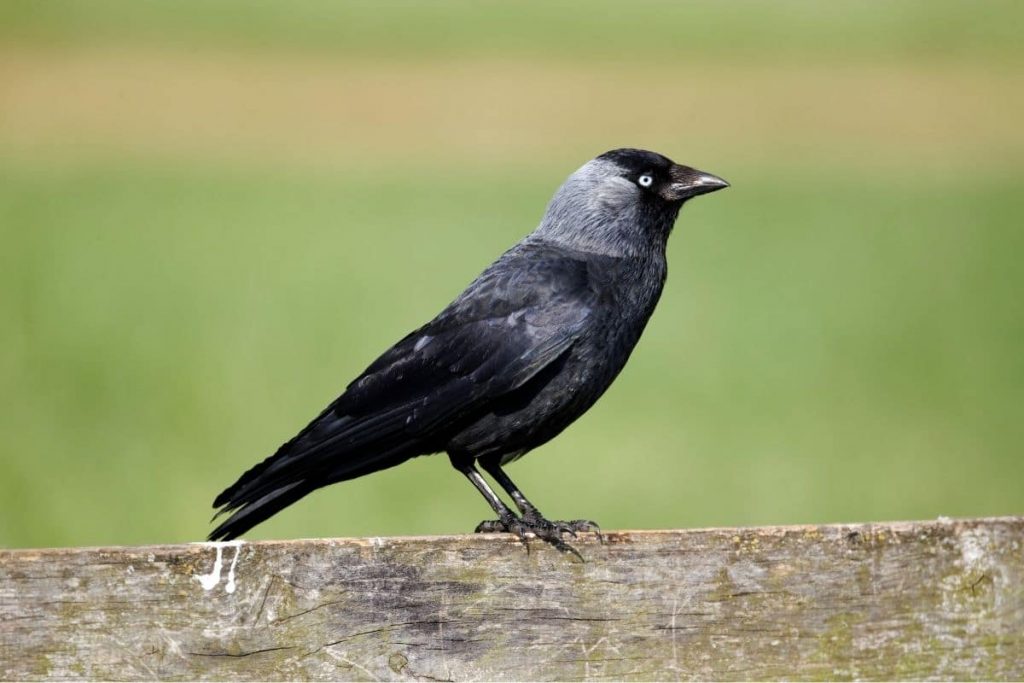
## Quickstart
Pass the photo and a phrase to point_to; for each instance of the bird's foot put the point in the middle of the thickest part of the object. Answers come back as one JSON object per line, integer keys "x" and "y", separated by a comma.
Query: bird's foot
{"x": 572, "y": 527}
{"x": 545, "y": 530}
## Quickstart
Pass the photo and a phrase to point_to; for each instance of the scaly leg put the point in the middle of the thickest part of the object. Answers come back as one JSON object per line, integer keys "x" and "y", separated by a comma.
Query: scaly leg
{"x": 507, "y": 519}
{"x": 532, "y": 517}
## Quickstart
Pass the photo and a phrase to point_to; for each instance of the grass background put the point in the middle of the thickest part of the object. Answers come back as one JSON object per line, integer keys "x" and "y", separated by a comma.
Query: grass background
{"x": 214, "y": 214}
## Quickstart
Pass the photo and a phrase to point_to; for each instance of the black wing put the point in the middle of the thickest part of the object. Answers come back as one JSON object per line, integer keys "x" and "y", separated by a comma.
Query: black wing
{"x": 519, "y": 316}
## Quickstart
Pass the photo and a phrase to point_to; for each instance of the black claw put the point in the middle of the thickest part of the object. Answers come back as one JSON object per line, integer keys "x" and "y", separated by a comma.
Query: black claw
{"x": 565, "y": 528}
{"x": 564, "y": 547}
{"x": 585, "y": 525}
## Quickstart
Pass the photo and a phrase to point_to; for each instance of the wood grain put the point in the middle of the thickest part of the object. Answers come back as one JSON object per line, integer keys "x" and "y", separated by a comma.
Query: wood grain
{"x": 929, "y": 600}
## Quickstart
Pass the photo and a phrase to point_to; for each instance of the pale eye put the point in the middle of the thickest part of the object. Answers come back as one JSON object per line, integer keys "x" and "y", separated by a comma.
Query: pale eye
{"x": 645, "y": 181}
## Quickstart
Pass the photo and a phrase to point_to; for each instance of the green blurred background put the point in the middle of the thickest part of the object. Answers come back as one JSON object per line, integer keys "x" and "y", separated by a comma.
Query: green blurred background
{"x": 214, "y": 214}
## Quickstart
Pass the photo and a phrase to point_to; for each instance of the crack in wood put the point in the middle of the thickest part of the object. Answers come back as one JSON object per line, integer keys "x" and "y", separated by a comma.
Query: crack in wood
{"x": 263, "y": 602}
{"x": 306, "y": 611}
{"x": 241, "y": 654}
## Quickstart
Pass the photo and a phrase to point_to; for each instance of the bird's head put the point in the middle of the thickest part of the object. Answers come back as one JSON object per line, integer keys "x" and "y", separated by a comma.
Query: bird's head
{"x": 624, "y": 200}
{"x": 636, "y": 175}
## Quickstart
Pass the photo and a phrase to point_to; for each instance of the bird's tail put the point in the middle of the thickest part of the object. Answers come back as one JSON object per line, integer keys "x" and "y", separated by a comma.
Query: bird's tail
{"x": 331, "y": 449}
{"x": 249, "y": 514}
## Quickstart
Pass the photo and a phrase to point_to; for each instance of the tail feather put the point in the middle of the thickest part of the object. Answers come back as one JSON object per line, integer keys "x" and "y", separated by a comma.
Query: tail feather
{"x": 256, "y": 471}
{"x": 253, "y": 513}
{"x": 331, "y": 449}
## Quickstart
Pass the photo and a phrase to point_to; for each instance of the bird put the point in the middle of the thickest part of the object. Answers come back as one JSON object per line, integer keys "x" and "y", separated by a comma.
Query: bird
{"x": 529, "y": 346}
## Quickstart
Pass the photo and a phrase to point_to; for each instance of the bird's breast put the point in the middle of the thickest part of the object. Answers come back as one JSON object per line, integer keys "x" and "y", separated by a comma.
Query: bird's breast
{"x": 539, "y": 410}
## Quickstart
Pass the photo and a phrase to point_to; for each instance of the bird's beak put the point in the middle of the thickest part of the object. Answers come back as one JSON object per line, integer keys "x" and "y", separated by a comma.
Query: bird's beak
{"x": 689, "y": 182}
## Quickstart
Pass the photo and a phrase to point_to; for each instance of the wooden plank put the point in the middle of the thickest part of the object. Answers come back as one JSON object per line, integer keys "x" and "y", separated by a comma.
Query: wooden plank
{"x": 942, "y": 599}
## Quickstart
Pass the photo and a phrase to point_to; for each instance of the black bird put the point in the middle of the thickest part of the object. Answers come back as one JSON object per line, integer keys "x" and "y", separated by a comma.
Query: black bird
{"x": 530, "y": 345}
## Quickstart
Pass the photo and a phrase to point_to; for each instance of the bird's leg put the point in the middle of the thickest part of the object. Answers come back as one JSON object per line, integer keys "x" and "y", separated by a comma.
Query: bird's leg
{"x": 507, "y": 520}
{"x": 531, "y": 515}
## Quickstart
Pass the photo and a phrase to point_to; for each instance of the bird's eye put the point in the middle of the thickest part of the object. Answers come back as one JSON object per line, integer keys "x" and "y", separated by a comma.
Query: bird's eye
{"x": 645, "y": 181}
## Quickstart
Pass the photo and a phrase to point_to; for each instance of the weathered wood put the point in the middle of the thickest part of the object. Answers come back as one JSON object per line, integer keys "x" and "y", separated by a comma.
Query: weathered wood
{"x": 940, "y": 599}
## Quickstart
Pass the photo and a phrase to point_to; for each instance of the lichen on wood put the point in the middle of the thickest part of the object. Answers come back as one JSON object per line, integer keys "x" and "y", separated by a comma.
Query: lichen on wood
{"x": 942, "y": 599}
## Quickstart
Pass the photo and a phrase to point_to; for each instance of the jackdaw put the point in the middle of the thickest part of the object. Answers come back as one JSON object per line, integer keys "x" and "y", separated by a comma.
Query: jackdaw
{"x": 526, "y": 349}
